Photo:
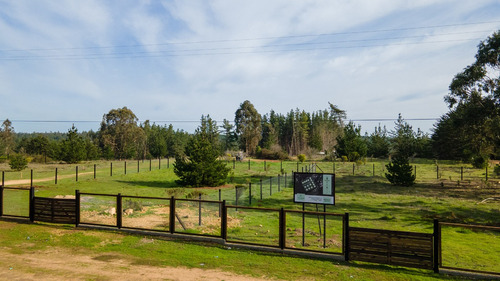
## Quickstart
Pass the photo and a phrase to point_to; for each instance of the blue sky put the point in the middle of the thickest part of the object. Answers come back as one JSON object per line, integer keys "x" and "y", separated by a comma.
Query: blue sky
{"x": 178, "y": 60}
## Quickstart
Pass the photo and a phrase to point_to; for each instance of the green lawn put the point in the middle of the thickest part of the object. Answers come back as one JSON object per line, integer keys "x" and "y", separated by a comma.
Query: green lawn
{"x": 365, "y": 194}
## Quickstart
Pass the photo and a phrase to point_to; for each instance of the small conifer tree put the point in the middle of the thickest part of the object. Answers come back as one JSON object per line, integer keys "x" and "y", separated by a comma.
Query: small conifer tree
{"x": 199, "y": 165}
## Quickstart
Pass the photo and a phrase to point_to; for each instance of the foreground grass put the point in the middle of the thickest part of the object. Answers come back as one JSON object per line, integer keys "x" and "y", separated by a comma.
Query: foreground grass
{"x": 369, "y": 199}
{"x": 23, "y": 239}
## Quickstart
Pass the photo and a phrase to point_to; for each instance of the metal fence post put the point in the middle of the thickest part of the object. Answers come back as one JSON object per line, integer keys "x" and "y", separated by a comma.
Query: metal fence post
{"x": 55, "y": 180}
{"x": 32, "y": 204}
{"x": 250, "y": 193}
{"x": 125, "y": 168}
{"x": 346, "y": 237}
{"x": 436, "y": 246}
{"x": 76, "y": 173}
{"x": 260, "y": 189}
{"x": 31, "y": 178}
{"x": 119, "y": 210}
{"x": 223, "y": 230}
{"x": 270, "y": 186}
{"x": 95, "y": 171}
{"x": 150, "y": 164}
{"x": 1, "y": 200}
{"x": 138, "y": 167}
{"x": 77, "y": 207}
{"x": 111, "y": 169}
{"x": 282, "y": 230}
{"x": 159, "y": 163}
{"x": 171, "y": 222}
{"x": 199, "y": 209}
{"x": 279, "y": 183}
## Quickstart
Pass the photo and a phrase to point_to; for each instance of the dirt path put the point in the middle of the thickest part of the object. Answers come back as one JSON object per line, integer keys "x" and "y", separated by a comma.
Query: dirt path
{"x": 27, "y": 182}
{"x": 63, "y": 264}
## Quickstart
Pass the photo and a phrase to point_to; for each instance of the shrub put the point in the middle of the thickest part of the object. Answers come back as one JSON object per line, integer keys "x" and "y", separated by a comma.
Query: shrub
{"x": 479, "y": 161}
{"x": 18, "y": 162}
{"x": 265, "y": 153}
{"x": 496, "y": 170}
{"x": 301, "y": 158}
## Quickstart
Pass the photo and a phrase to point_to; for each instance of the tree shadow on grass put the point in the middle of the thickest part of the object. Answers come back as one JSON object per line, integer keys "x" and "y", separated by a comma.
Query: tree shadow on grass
{"x": 159, "y": 184}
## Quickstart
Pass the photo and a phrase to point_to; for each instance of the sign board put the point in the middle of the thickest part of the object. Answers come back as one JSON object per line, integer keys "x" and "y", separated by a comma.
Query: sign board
{"x": 315, "y": 188}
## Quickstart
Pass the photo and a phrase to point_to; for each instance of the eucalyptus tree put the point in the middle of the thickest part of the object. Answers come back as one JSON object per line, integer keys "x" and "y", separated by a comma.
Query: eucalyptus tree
{"x": 248, "y": 126}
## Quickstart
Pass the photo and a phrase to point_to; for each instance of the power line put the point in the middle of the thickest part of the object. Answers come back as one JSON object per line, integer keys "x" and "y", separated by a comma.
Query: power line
{"x": 256, "y": 38}
{"x": 197, "y": 121}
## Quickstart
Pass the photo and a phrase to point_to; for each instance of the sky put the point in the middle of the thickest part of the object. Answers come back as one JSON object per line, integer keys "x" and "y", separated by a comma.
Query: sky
{"x": 170, "y": 62}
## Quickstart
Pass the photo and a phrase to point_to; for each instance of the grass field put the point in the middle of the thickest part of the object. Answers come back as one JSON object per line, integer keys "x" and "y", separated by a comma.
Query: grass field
{"x": 365, "y": 194}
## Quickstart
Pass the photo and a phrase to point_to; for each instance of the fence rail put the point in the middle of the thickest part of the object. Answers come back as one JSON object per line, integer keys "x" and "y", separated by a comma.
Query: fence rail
{"x": 195, "y": 216}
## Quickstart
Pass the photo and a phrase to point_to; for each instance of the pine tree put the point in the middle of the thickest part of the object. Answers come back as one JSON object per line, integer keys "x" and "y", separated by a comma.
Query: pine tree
{"x": 199, "y": 165}
{"x": 399, "y": 170}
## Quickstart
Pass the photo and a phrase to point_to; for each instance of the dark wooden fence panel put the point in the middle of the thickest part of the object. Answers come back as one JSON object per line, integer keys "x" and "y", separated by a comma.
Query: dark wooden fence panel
{"x": 54, "y": 210}
{"x": 400, "y": 248}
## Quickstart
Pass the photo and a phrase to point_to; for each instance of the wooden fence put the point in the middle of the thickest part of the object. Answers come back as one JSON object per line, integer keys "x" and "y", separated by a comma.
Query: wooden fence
{"x": 410, "y": 249}
{"x": 400, "y": 248}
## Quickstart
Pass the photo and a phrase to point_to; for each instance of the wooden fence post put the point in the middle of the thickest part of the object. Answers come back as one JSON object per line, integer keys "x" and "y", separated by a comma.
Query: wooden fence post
{"x": 125, "y": 167}
{"x": 55, "y": 180}
{"x": 111, "y": 169}
{"x": 138, "y": 166}
{"x": 150, "y": 164}
{"x": 95, "y": 171}
{"x": 76, "y": 173}
{"x": 31, "y": 178}
{"x": 249, "y": 164}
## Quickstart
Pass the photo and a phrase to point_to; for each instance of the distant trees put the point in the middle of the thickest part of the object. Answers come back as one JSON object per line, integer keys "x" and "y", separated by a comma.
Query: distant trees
{"x": 470, "y": 131}
{"x": 199, "y": 164}
{"x": 351, "y": 144}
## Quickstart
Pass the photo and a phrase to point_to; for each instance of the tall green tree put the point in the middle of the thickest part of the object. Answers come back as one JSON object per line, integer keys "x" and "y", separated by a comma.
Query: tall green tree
{"x": 378, "y": 143}
{"x": 351, "y": 144}
{"x": 399, "y": 170}
{"x": 230, "y": 136}
{"x": 73, "y": 147}
{"x": 7, "y": 136}
{"x": 199, "y": 164}
{"x": 248, "y": 126}
{"x": 121, "y": 134}
{"x": 470, "y": 130}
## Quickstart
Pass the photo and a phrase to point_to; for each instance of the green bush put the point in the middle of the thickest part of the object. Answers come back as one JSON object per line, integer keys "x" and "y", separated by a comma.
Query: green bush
{"x": 479, "y": 161}
{"x": 301, "y": 157}
{"x": 18, "y": 162}
{"x": 496, "y": 170}
{"x": 265, "y": 153}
